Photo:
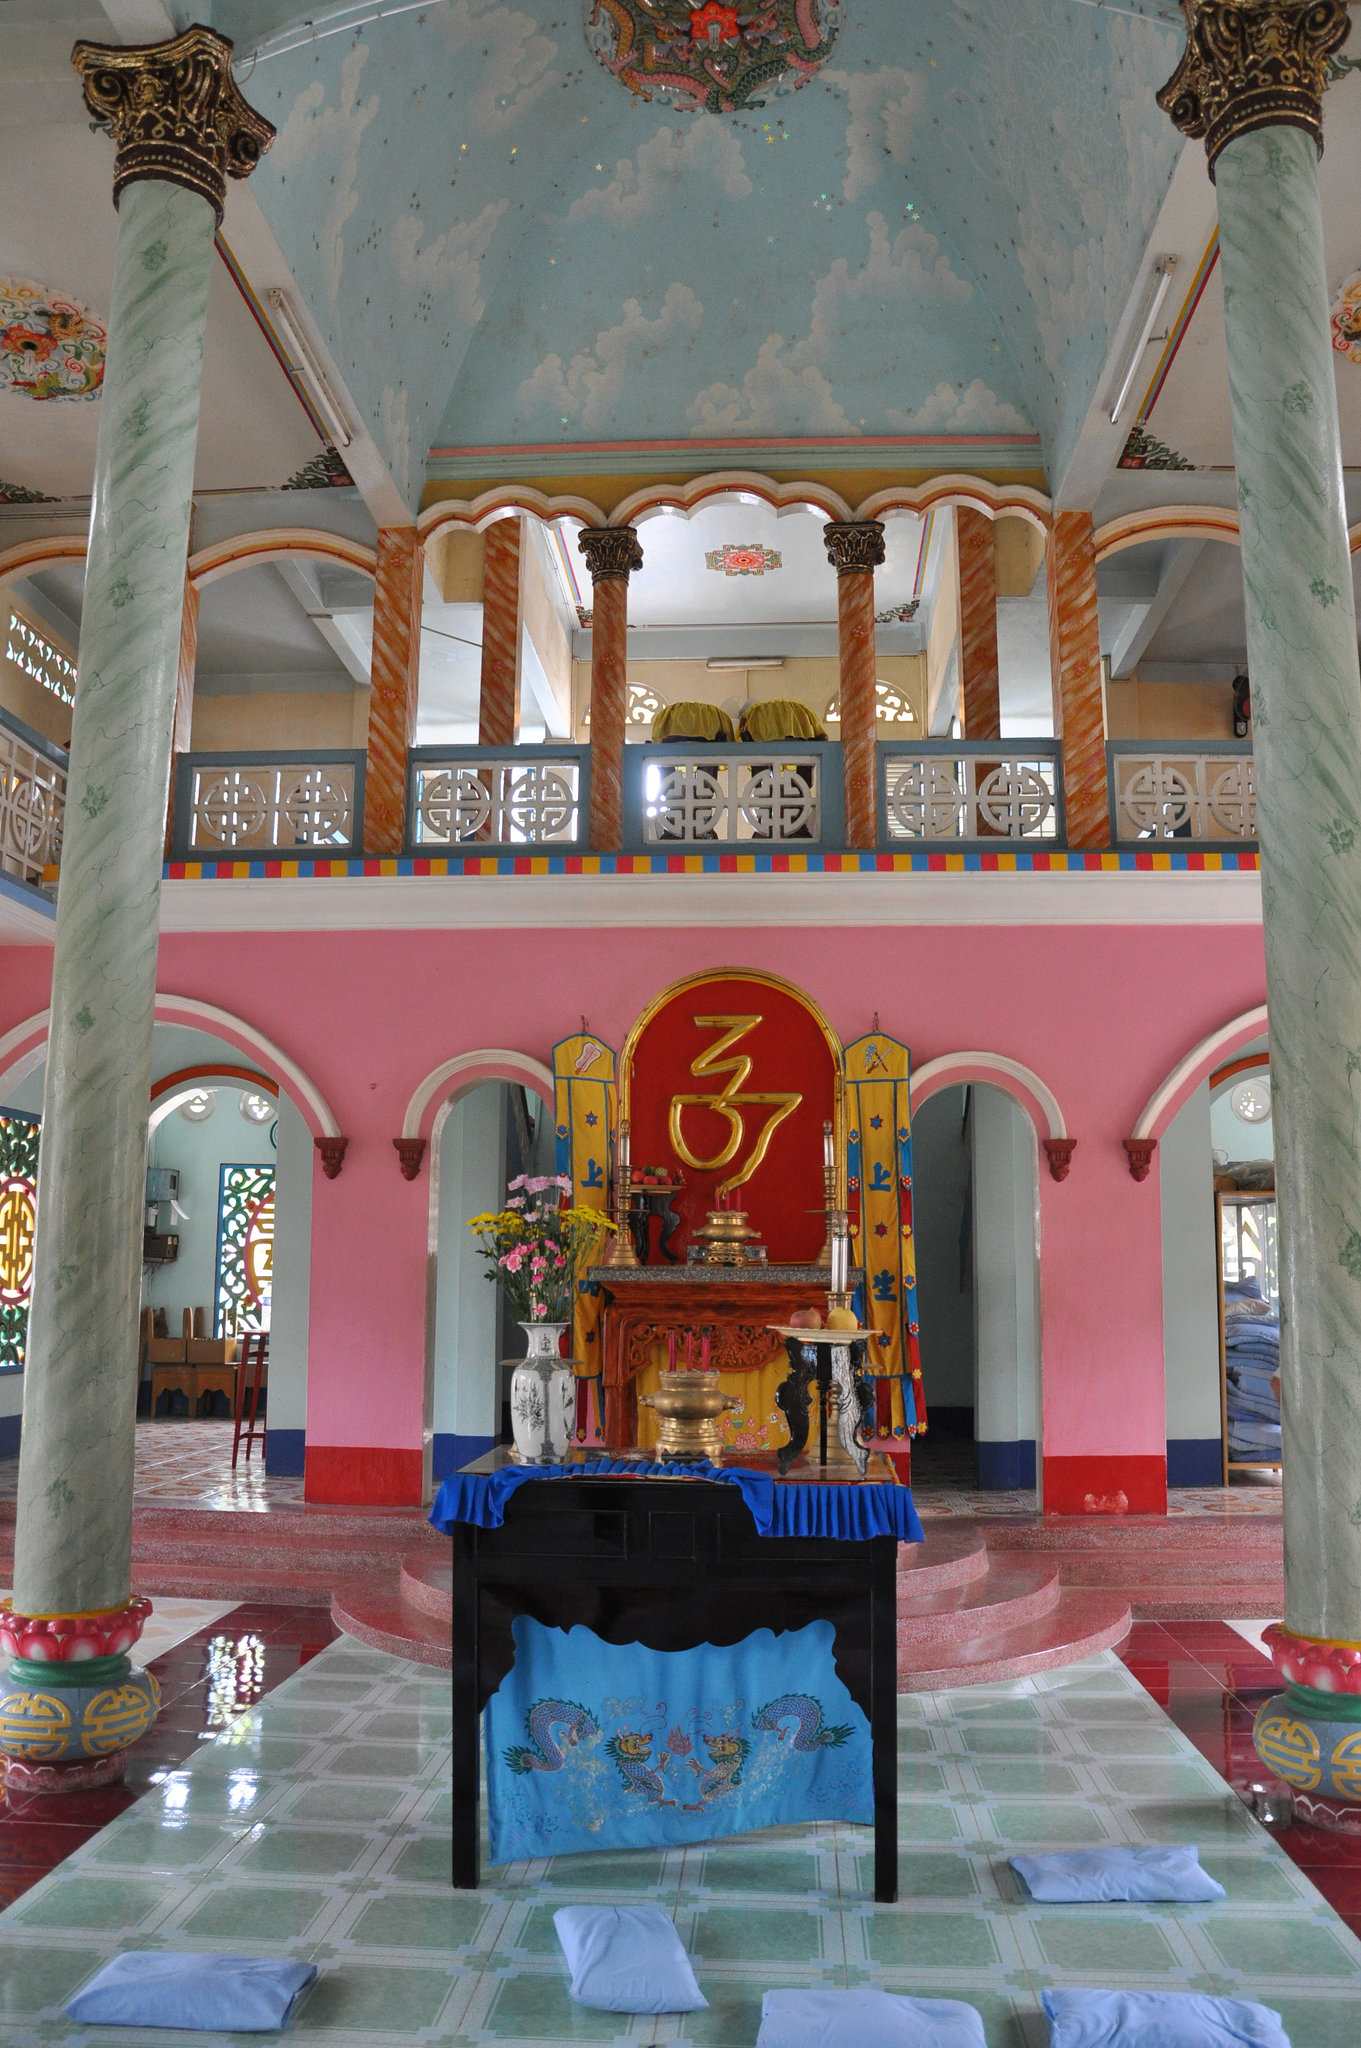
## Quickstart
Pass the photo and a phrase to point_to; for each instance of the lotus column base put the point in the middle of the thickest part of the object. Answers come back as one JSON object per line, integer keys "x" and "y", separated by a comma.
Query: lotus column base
{"x": 72, "y": 1702}
{"x": 1310, "y": 1734}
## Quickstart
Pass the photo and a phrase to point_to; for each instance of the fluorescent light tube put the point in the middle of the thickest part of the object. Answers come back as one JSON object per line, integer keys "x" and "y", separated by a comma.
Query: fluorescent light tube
{"x": 1163, "y": 271}
{"x": 341, "y": 431}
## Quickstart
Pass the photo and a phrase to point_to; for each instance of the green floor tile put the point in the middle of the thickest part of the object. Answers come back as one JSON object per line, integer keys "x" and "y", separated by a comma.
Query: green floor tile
{"x": 935, "y": 1877}
{"x": 1317, "y": 2022}
{"x": 742, "y": 1869}
{"x": 539, "y": 2008}
{"x": 1026, "y": 1739}
{"x": 438, "y": 1921}
{"x": 922, "y": 1820}
{"x": 425, "y": 1860}
{"x": 914, "y": 1775}
{"x": 377, "y": 1998}
{"x": 535, "y": 1934}
{"x": 107, "y": 1903}
{"x": 394, "y": 1725}
{"x": 1255, "y": 1880}
{"x": 915, "y": 1741}
{"x": 32, "y": 1977}
{"x": 1025, "y": 1774}
{"x": 621, "y": 1870}
{"x": 1090, "y": 1942}
{"x": 931, "y": 1941}
{"x": 1159, "y": 1780}
{"x": 733, "y": 2018}
{"x": 253, "y": 1912}
{"x": 1132, "y": 1739}
{"x": 329, "y": 1800}
{"x": 1269, "y": 1947}
{"x": 1068, "y": 1826}
{"x": 1201, "y": 1821}
{"x": 407, "y": 1761}
{"x": 282, "y": 1851}
{"x": 159, "y": 1845}
{"x": 756, "y": 1935}
{"x": 982, "y": 1706}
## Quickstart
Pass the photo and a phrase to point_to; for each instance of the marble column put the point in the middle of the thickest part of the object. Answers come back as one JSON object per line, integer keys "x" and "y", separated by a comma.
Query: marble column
{"x": 72, "y": 1701}
{"x": 855, "y": 549}
{"x": 394, "y": 684}
{"x": 980, "y": 706}
{"x": 1251, "y": 83}
{"x": 612, "y": 554}
{"x": 499, "y": 705}
{"x": 1075, "y": 671}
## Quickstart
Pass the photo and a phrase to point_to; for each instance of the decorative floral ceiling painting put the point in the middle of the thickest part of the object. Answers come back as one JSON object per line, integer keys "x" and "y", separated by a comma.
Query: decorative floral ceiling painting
{"x": 49, "y": 346}
{"x": 742, "y": 559}
{"x": 712, "y": 57}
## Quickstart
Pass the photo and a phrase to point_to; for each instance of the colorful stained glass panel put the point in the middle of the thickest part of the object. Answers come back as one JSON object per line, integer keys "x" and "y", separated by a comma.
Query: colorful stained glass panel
{"x": 18, "y": 1209}
{"x": 245, "y": 1249}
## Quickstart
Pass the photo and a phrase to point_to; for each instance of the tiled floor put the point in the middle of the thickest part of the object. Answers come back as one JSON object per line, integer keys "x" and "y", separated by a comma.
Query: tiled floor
{"x": 943, "y": 1474}
{"x": 317, "y": 1825}
{"x": 191, "y": 1462}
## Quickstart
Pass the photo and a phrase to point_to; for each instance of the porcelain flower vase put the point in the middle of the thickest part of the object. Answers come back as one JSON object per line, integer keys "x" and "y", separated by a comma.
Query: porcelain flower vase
{"x": 543, "y": 1398}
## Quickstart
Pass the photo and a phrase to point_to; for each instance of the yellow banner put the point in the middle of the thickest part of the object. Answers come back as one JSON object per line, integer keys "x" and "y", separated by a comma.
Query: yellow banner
{"x": 585, "y": 1106}
{"x": 879, "y": 1188}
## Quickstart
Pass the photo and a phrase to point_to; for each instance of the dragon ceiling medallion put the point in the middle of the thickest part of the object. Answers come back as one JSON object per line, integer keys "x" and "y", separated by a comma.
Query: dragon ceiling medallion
{"x": 713, "y": 57}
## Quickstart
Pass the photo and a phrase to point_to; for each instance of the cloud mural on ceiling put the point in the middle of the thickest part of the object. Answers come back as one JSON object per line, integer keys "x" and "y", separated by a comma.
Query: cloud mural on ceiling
{"x": 936, "y": 235}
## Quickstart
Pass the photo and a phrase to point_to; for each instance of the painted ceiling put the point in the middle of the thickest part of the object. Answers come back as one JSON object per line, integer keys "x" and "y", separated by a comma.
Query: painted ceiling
{"x": 934, "y": 237}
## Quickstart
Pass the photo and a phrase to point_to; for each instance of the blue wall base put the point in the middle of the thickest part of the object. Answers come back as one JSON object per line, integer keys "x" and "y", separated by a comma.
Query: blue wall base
{"x": 284, "y": 1450}
{"x": 1195, "y": 1461}
{"x": 448, "y": 1453}
{"x": 10, "y": 1426}
{"x": 1005, "y": 1468}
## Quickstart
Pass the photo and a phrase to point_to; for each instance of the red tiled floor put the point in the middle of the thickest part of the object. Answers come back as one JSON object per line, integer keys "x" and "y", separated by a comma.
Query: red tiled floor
{"x": 202, "y": 1686}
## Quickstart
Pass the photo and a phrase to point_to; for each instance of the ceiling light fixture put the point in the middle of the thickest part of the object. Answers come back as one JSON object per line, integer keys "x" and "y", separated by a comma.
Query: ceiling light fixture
{"x": 306, "y": 363}
{"x": 743, "y": 661}
{"x": 1163, "y": 271}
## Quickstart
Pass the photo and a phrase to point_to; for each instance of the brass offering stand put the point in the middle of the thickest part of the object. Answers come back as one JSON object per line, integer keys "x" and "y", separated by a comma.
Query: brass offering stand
{"x": 728, "y": 1238}
{"x": 689, "y": 1406}
{"x": 621, "y": 1251}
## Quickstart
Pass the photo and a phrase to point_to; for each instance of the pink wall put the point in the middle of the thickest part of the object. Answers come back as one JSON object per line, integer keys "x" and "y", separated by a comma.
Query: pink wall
{"x": 1101, "y": 1013}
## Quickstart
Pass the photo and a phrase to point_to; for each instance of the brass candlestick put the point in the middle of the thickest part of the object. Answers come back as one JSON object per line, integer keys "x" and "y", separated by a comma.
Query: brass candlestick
{"x": 621, "y": 1251}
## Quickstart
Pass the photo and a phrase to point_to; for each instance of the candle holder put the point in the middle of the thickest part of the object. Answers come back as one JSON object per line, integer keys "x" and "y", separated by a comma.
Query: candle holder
{"x": 621, "y": 1251}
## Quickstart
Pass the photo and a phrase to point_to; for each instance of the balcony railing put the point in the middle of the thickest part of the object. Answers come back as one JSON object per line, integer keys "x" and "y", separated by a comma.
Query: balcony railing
{"x": 530, "y": 798}
{"x": 229, "y": 805}
{"x": 32, "y": 800}
{"x": 705, "y": 794}
{"x": 970, "y": 793}
{"x": 1203, "y": 795}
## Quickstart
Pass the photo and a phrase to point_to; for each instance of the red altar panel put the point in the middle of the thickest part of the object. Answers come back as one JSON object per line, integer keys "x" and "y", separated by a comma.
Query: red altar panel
{"x": 724, "y": 1062}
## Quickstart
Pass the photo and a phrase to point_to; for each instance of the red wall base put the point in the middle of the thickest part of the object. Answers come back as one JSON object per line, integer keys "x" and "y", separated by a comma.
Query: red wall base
{"x": 1105, "y": 1486}
{"x": 359, "y": 1476}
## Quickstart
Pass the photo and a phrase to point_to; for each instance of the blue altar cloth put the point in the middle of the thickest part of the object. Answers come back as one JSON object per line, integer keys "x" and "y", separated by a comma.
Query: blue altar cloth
{"x": 851, "y": 1514}
{"x": 596, "y": 1745}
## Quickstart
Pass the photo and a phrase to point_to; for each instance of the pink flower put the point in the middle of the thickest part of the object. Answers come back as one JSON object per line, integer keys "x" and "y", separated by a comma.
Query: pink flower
{"x": 539, "y": 1311}
{"x": 514, "y": 1259}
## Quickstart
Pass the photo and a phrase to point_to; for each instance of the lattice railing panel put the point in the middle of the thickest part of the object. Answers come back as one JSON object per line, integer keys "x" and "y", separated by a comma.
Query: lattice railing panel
{"x": 691, "y": 799}
{"x": 32, "y": 806}
{"x": 269, "y": 806}
{"x": 516, "y": 799}
{"x": 1179, "y": 793}
{"x": 961, "y": 794}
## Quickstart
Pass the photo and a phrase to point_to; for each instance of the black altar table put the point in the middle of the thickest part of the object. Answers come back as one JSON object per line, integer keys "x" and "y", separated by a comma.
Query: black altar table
{"x": 671, "y": 1561}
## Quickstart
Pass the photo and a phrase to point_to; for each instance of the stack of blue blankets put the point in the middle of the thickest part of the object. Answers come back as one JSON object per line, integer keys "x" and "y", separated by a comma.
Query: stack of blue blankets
{"x": 1252, "y": 1355}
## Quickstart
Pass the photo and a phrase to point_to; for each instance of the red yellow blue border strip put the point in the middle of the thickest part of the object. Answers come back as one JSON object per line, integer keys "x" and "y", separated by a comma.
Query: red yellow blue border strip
{"x": 483, "y": 865}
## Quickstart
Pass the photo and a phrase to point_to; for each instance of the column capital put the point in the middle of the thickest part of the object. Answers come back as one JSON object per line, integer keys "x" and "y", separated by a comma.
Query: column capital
{"x": 612, "y": 552}
{"x": 854, "y": 544}
{"x": 174, "y": 112}
{"x": 1261, "y": 65}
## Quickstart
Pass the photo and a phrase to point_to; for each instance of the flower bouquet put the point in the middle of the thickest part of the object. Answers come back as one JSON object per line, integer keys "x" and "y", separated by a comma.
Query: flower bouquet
{"x": 536, "y": 1248}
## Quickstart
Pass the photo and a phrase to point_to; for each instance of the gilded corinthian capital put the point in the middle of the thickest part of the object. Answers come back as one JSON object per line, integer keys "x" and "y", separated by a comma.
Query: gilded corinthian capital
{"x": 854, "y": 544}
{"x": 1261, "y": 65}
{"x": 612, "y": 552}
{"x": 174, "y": 112}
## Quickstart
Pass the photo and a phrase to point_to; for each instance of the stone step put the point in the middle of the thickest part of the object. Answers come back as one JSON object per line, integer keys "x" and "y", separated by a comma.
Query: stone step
{"x": 373, "y": 1612}
{"x": 1004, "y": 1597}
{"x": 948, "y": 1557}
{"x": 427, "y": 1583}
{"x": 1078, "y": 1625}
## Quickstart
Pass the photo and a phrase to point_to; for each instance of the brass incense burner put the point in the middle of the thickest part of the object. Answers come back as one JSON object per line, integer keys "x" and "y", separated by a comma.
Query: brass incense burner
{"x": 725, "y": 1237}
{"x": 689, "y": 1407}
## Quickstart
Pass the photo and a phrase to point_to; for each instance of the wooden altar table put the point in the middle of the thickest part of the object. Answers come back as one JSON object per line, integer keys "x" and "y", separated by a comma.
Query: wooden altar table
{"x": 668, "y": 1563}
{"x": 641, "y": 1306}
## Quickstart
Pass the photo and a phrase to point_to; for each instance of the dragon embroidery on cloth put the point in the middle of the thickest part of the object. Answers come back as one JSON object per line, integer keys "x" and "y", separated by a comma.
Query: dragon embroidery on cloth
{"x": 632, "y": 1752}
{"x": 542, "y": 1718}
{"x": 809, "y": 1732}
{"x": 716, "y": 58}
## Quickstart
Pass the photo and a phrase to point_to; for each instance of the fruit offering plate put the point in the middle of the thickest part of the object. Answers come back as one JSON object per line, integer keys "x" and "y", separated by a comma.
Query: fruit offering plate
{"x": 826, "y": 1336}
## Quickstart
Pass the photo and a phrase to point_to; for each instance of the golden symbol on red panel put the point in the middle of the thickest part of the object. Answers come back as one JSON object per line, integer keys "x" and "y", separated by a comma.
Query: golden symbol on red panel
{"x": 16, "y": 1238}
{"x": 725, "y": 1103}
{"x": 258, "y": 1251}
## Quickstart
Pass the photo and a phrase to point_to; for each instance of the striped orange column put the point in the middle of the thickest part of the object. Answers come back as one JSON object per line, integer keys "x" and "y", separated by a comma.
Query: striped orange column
{"x": 980, "y": 706}
{"x": 395, "y": 677}
{"x": 1075, "y": 668}
{"x": 612, "y": 554}
{"x": 855, "y": 548}
{"x": 499, "y": 712}
{"x": 182, "y": 730}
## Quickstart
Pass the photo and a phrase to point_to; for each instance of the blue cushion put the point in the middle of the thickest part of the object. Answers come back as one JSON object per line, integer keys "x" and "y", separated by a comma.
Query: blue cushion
{"x": 627, "y": 1959}
{"x": 866, "y": 2019}
{"x": 1159, "y": 2019}
{"x": 1105, "y": 1874}
{"x": 204, "y": 1994}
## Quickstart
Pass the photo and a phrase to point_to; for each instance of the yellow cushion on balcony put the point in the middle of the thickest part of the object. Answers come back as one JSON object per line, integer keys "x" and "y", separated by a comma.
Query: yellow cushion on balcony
{"x": 692, "y": 722}
{"x": 780, "y": 718}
